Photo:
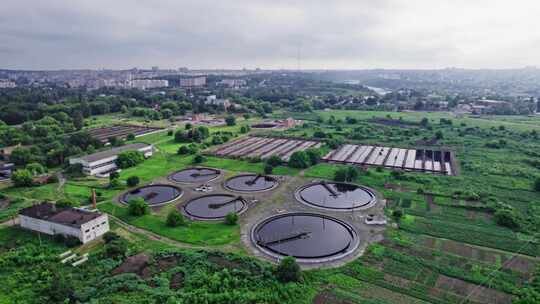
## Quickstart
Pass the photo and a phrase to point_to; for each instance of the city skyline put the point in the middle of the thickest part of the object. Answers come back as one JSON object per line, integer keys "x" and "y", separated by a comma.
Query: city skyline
{"x": 270, "y": 35}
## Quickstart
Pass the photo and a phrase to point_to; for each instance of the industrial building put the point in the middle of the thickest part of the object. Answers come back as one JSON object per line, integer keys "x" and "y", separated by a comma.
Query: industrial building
{"x": 104, "y": 162}
{"x": 49, "y": 219}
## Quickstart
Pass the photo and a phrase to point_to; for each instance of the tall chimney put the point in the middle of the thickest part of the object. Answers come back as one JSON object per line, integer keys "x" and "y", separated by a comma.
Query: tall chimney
{"x": 94, "y": 199}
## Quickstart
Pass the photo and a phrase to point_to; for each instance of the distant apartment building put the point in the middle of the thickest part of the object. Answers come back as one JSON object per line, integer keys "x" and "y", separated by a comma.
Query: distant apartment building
{"x": 233, "y": 83}
{"x": 6, "y": 170}
{"x": 144, "y": 84}
{"x": 6, "y": 83}
{"x": 198, "y": 81}
{"x": 104, "y": 162}
{"x": 49, "y": 219}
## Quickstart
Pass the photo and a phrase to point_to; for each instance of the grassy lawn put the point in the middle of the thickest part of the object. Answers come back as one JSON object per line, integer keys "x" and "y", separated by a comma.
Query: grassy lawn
{"x": 196, "y": 233}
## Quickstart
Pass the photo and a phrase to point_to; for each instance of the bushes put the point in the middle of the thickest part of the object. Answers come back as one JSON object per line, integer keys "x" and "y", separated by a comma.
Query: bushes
{"x": 288, "y": 270}
{"x": 22, "y": 178}
{"x": 231, "y": 218}
{"x": 129, "y": 159}
{"x": 268, "y": 169}
{"x": 175, "y": 219}
{"x": 133, "y": 181}
{"x": 187, "y": 150}
{"x": 36, "y": 168}
{"x": 274, "y": 161}
{"x": 137, "y": 207}
{"x": 230, "y": 120}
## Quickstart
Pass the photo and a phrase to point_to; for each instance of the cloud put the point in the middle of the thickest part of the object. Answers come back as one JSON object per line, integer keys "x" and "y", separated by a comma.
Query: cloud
{"x": 343, "y": 34}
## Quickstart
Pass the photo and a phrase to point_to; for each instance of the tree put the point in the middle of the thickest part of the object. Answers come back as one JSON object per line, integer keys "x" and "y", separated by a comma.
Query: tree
{"x": 110, "y": 236}
{"x": 347, "y": 174}
{"x": 22, "y": 178}
{"x": 36, "y": 168}
{"x": 537, "y": 184}
{"x": 439, "y": 135}
{"x": 21, "y": 156}
{"x": 230, "y": 120}
{"x": 116, "y": 248}
{"x": 78, "y": 120}
{"x": 115, "y": 141}
{"x": 130, "y": 136}
{"x": 198, "y": 159}
{"x": 314, "y": 156}
{"x": 288, "y": 270}
{"x": 137, "y": 206}
{"x": 424, "y": 122}
{"x": 175, "y": 218}
{"x": 268, "y": 169}
{"x": 133, "y": 181}
{"x": 129, "y": 159}
{"x": 231, "y": 218}
{"x": 397, "y": 214}
{"x": 299, "y": 159}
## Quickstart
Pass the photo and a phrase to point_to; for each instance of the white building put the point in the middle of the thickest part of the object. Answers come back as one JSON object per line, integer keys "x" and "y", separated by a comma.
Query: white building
{"x": 49, "y": 219}
{"x": 213, "y": 100}
{"x": 104, "y": 162}
{"x": 144, "y": 84}
{"x": 6, "y": 83}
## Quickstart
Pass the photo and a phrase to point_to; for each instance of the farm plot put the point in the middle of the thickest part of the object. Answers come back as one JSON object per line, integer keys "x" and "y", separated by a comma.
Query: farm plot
{"x": 422, "y": 160}
{"x": 263, "y": 147}
{"x": 121, "y": 131}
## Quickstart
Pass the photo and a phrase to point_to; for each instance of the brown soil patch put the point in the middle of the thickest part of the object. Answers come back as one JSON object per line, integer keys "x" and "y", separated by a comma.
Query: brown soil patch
{"x": 327, "y": 297}
{"x": 396, "y": 187}
{"x": 520, "y": 264}
{"x": 177, "y": 281}
{"x": 458, "y": 249}
{"x": 133, "y": 264}
{"x": 225, "y": 263}
{"x": 397, "y": 281}
{"x": 474, "y": 292}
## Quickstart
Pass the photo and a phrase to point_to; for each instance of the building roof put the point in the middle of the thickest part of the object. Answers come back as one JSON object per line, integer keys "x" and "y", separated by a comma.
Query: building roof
{"x": 65, "y": 216}
{"x": 112, "y": 152}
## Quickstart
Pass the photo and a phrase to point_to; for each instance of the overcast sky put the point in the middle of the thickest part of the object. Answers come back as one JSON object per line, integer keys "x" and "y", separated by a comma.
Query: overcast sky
{"x": 329, "y": 34}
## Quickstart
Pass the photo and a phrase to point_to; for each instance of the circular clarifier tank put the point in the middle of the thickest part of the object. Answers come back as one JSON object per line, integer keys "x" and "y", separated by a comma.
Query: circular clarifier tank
{"x": 336, "y": 196}
{"x": 308, "y": 237}
{"x": 195, "y": 175}
{"x": 154, "y": 195}
{"x": 214, "y": 206}
{"x": 251, "y": 183}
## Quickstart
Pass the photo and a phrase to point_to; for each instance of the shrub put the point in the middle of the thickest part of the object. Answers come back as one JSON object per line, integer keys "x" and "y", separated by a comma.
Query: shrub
{"x": 274, "y": 161}
{"x": 137, "y": 206}
{"x": 288, "y": 270}
{"x": 230, "y": 120}
{"x": 175, "y": 219}
{"x": 22, "y": 178}
{"x": 133, "y": 181}
{"x": 170, "y": 133}
{"x": 110, "y": 236}
{"x": 268, "y": 169}
{"x": 64, "y": 202}
{"x": 397, "y": 214}
{"x": 507, "y": 218}
{"x": 129, "y": 159}
{"x": 216, "y": 140}
{"x": 130, "y": 136}
{"x": 199, "y": 159}
{"x": 115, "y": 184}
{"x": 185, "y": 150}
{"x": 231, "y": 218}
{"x": 116, "y": 248}
{"x": 299, "y": 159}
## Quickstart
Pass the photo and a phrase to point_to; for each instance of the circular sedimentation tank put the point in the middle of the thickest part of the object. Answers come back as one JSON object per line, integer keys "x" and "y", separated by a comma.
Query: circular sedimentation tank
{"x": 251, "y": 183}
{"x": 195, "y": 175}
{"x": 309, "y": 237}
{"x": 214, "y": 206}
{"x": 154, "y": 195}
{"x": 336, "y": 196}
{"x": 267, "y": 125}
